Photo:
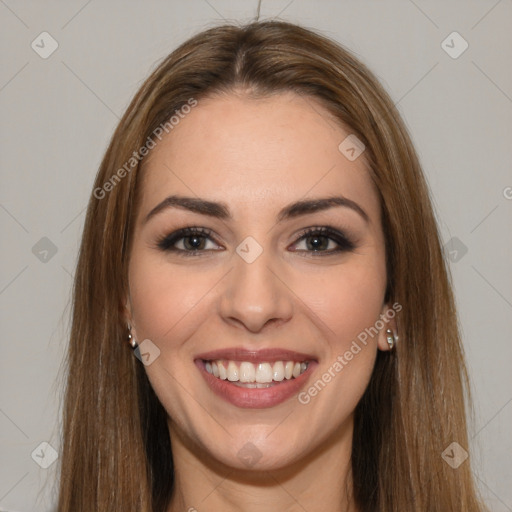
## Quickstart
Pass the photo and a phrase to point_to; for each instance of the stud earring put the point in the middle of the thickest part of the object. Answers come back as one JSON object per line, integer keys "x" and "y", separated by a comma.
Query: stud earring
{"x": 131, "y": 340}
{"x": 390, "y": 338}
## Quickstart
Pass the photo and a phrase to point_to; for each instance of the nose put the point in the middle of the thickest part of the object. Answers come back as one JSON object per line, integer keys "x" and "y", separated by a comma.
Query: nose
{"x": 254, "y": 295}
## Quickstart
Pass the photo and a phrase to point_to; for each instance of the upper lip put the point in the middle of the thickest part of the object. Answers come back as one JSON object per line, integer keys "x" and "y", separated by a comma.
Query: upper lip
{"x": 262, "y": 355}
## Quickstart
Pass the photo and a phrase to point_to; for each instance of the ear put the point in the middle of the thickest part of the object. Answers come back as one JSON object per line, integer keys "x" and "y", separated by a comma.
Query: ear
{"x": 388, "y": 319}
{"x": 127, "y": 315}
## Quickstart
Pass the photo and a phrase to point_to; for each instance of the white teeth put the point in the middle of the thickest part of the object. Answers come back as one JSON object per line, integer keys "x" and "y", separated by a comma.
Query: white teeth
{"x": 247, "y": 373}
{"x": 252, "y": 385}
{"x": 278, "y": 371}
{"x": 223, "y": 374}
{"x": 288, "y": 370}
{"x": 233, "y": 374}
{"x": 264, "y": 373}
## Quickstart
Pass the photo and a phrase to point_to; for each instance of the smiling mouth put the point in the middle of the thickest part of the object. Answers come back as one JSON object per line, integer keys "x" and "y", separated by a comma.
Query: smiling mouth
{"x": 255, "y": 375}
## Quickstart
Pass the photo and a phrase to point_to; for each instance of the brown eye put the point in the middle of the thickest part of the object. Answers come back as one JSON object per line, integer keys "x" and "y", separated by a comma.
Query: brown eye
{"x": 324, "y": 241}
{"x": 187, "y": 241}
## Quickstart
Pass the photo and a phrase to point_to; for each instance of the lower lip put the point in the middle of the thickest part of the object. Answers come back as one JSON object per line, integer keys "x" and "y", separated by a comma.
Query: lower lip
{"x": 256, "y": 398}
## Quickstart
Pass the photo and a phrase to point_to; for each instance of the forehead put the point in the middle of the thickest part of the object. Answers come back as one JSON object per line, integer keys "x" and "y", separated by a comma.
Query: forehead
{"x": 256, "y": 152}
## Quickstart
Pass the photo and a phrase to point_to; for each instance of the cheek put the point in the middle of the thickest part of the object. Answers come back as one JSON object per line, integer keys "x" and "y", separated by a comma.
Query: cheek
{"x": 347, "y": 299}
{"x": 163, "y": 295}
{"x": 347, "y": 303}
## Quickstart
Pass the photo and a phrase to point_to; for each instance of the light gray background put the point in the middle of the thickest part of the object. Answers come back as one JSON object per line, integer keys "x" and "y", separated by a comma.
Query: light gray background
{"x": 57, "y": 115}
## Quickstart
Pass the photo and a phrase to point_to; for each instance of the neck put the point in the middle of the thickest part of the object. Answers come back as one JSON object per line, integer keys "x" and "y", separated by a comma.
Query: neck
{"x": 320, "y": 481}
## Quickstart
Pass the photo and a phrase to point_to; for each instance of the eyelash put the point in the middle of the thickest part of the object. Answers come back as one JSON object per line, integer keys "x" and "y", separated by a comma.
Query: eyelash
{"x": 167, "y": 242}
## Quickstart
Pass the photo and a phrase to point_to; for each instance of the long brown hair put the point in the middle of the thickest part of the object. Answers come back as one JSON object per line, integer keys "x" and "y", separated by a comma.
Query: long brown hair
{"x": 116, "y": 452}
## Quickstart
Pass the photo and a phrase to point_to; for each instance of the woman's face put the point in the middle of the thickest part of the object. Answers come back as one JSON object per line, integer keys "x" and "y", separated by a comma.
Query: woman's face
{"x": 253, "y": 292}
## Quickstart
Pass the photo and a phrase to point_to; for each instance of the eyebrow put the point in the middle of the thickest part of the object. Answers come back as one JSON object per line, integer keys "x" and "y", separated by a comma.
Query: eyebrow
{"x": 221, "y": 211}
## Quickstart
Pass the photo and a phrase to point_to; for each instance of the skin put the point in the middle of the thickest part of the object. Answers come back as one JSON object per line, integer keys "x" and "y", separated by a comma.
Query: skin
{"x": 257, "y": 156}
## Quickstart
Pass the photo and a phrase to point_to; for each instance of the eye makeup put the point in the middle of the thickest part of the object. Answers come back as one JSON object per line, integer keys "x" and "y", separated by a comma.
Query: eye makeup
{"x": 193, "y": 240}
